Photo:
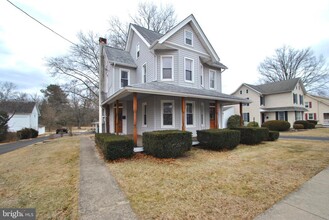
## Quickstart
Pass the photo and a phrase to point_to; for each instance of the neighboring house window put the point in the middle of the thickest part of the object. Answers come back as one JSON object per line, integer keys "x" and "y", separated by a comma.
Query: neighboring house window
{"x": 295, "y": 100}
{"x": 281, "y": 116}
{"x": 189, "y": 113}
{"x": 211, "y": 79}
{"x": 247, "y": 91}
{"x": 301, "y": 100}
{"x": 201, "y": 76}
{"x": 202, "y": 114}
{"x": 144, "y": 72}
{"x": 298, "y": 116}
{"x": 245, "y": 117}
{"x": 188, "y": 70}
{"x": 137, "y": 51}
{"x": 240, "y": 92}
{"x": 144, "y": 112}
{"x": 188, "y": 38}
{"x": 308, "y": 104}
{"x": 246, "y": 104}
{"x": 168, "y": 114}
{"x": 310, "y": 116}
{"x": 262, "y": 100}
{"x": 124, "y": 78}
{"x": 167, "y": 68}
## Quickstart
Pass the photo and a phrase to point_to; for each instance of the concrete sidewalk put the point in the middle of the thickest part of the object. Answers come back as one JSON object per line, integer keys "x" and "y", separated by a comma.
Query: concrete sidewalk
{"x": 311, "y": 201}
{"x": 100, "y": 196}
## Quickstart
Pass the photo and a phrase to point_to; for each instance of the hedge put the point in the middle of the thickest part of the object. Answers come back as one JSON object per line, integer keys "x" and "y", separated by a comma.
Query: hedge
{"x": 218, "y": 139}
{"x": 252, "y": 136}
{"x": 233, "y": 121}
{"x": 277, "y": 125}
{"x": 315, "y": 122}
{"x": 253, "y": 124}
{"x": 115, "y": 146}
{"x": 27, "y": 133}
{"x": 298, "y": 126}
{"x": 167, "y": 143}
{"x": 307, "y": 125}
{"x": 273, "y": 135}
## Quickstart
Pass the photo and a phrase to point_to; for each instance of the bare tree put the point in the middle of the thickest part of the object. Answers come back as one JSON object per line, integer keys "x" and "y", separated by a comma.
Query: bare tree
{"x": 149, "y": 15}
{"x": 81, "y": 65}
{"x": 8, "y": 91}
{"x": 289, "y": 63}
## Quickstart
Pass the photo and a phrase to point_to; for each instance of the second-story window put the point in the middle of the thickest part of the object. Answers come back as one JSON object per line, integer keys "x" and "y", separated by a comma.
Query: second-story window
{"x": 144, "y": 73}
{"x": 137, "y": 51}
{"x": 301, "y": 100}
{"x": 201, "y": 76}
{"x": 188, "y": 37}
{"x": 188, "y": 70}
{"x": 295, "y": 99}
{"x": 167, "y": 68}
{"x": 211, "y": 79}
{"x": 262, "y": 100}
{"x": 124, "y": 78}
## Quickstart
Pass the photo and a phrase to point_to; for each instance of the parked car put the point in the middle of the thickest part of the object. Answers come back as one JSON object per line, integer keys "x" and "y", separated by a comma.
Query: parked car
{"x": 61, "y": 130}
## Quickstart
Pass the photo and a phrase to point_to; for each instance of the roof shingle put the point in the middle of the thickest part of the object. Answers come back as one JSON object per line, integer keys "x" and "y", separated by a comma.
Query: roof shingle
{"x": 276, "y": 87}
{"x": 17, "y": 107}
{"x": 119, "y": 56}
{"x": 150, "y": 36}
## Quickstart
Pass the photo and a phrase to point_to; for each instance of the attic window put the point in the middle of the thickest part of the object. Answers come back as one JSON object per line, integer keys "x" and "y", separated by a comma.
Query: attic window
{"x": 188, "y": 38}
{"x": 137, "y": 50}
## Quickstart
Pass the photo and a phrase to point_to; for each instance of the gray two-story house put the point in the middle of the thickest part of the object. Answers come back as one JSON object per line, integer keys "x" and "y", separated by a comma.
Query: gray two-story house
{"x": 160, "y": 82}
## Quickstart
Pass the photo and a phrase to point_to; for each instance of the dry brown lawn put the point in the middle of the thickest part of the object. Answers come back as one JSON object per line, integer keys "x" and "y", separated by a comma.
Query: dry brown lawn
{"x": 44, "y": 176}
{"x": 318, "y": 132}
{"x": 238, "y": 184}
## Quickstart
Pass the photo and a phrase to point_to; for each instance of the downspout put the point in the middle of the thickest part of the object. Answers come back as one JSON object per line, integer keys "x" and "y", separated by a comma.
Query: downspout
{"x": 102, "y": 42}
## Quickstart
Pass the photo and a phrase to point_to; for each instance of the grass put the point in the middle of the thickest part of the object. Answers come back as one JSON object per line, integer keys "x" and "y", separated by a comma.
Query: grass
{"x": 238, "y": 184}
{"x": 44, "y": 176}
{"x": 318, "y": 132}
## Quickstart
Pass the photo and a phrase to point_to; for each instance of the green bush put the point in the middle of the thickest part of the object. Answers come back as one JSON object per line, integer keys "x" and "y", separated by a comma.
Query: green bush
{"x": 253, "y": 124}
{"x": 34, "y": 133}
{"x": 307, "y": 125}
{"x": 27, "y": 133}
{"x": 252, "y": 136}
{"x": 315, "y": 122}
{"x": 277, "y": 125}
{"x": 298, "y": 126}
{"x": 273, "y": 135}
{"x": 115, "y": 146}
{"x": 167, "y": 143}
{"x": 233, "y": 121}
{"x": 218, "y": 139}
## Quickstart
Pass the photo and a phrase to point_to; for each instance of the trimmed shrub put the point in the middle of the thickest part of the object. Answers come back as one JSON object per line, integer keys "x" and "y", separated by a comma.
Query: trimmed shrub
{"x": 253, "y": 124}
{"x": 277, "y": 125}
{"x": 115, "y": 146}
{"x": 315, "y": 122}
{"x": 298, "y": 126}
{"x": 167, "y": 143}
{"x": 27, "y": 133}
{"x": 252, "y": 136}
{"x": 34, "y": 133}
{"x": 218, "y": 139}
{"x": 233, "y": 121}
{"x": 307, "y": 125}
{"x": 273, "y": 135}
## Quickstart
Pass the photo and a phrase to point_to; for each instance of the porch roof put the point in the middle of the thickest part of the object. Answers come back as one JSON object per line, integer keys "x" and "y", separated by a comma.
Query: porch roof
{"x": 289, "y": 109}
{"x": 167, "y": 89}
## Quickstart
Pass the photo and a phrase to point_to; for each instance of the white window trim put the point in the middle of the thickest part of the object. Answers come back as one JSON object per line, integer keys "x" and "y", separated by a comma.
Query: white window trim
{"x": 172, "y": 67}
{"x": 189, "y": 81}
{"x": 127, "y": 70}
{"x": 309, "y": 116}
{"x": 143, "y": 113}
{"x": 138, "y": 50}
{"x": 145, "y": 64}
{"x": 193, "y": 113}
{"x": 202, "y": 75}
{"x": 202, "y": 112}
{"x": 210, "y": 70}
{"x": 173, "y": 114}
{"x": 185, "y": 31}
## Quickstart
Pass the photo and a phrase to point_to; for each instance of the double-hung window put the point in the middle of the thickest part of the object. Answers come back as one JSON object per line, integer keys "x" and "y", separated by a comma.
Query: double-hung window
{"x": 246, "y": 117}
{"x": 137, "y": 51}
{"x": 189, "y": 113}
{"x": 188, "y": 70}
{"x": 144, "y": 112}
{"x": 124, "y": 78}
{"x": 188, "y": 37}
{"x": 281, "y": 116}
{"x": 144, "y": 73}
{"x": 212, "y": 79}
{"x": 295, "y": 99}
{"x": 202, "y": 115}
{"x": 167, "y": 114}
{"x": 201, "y": 76}
{"x": 301, "y": 100}
{"x": 308, "y": 104}
{"x": 167, "y": 68}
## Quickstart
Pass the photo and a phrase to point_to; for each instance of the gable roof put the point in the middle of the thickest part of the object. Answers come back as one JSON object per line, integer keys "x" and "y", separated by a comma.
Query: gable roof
{"x": 148, "y": 35}
{"x": 18, "y": 107}
{"x": 322, "y": 99}
{"x": 118, "y": 56}
{"x": 275, "y": 87}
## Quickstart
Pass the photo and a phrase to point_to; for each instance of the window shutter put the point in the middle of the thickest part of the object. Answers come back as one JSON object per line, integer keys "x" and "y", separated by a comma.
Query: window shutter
{"x": 310, "y": 105}
{"x": 314, "y": 116}
{"x": 276, "y": 115}
{"x": 286, "y": 116}
{"x": 305, "y": 116}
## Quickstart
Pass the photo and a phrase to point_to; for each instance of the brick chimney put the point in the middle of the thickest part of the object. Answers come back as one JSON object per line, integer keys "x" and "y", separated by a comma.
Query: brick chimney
{"x": 102, "y": 40}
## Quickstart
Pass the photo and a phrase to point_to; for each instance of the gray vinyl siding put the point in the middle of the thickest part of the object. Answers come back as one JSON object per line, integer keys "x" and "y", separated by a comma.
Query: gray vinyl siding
{"x": 117, "y": 76}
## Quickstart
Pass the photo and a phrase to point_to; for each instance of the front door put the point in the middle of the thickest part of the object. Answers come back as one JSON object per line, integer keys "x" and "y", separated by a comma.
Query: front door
{"x": 326, "y": 118}
{"x": 119, "y": 119}
{"x": 212, "y": 115}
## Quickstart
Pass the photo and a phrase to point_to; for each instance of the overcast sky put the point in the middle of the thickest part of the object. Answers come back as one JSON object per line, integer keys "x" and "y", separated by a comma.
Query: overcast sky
{"x": 243, "y": 33}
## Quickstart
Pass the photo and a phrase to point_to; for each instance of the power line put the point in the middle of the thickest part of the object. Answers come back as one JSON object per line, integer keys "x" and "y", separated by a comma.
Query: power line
{"x": 42, "y": 23}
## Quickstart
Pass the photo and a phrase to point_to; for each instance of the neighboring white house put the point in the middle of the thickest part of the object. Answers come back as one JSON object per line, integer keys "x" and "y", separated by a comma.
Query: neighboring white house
{"x": 282, "y": 100}
{"x": 159, "y": 82}
{"x": 318, "y": 109}
{"x": 25, "y": 115}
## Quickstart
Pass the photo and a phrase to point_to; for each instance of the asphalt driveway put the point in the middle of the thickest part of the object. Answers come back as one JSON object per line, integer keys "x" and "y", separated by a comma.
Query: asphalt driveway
{"x": 5, "y": 148}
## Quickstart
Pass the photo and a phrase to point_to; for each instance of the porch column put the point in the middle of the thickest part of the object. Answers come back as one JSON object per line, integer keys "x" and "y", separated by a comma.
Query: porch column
{"x": 107, "y": 119}
{"x": 183, "y": 114}
{"x": 241, "y": 115}
{"x": 216, "y": 114}
{"x": 135, "y": 117}
{"x": 117, "y": 117}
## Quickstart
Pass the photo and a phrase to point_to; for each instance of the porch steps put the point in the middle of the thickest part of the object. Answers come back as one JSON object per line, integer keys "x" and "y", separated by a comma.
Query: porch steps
{"x": 141, "y": 149}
